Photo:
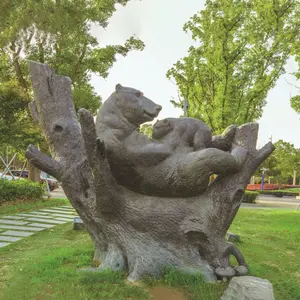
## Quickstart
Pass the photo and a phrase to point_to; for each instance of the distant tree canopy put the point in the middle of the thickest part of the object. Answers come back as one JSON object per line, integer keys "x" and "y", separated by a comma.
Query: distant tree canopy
{"x": 240, "y": 50}
{"x": 282, "y": 163}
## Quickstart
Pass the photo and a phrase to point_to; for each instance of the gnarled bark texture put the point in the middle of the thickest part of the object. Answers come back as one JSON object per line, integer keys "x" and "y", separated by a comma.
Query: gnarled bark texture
{"x": 134, "y": 232}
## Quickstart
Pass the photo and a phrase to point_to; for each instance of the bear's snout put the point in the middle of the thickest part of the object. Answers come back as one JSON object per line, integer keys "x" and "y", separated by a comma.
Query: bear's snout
{"x": 158, "y": 108}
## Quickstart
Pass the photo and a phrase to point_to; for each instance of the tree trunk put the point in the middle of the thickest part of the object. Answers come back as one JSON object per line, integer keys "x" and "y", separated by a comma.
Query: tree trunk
{"x": 294, "y": 177}
{"x": 133, "y": 232}
{"x": 33, "y": 173}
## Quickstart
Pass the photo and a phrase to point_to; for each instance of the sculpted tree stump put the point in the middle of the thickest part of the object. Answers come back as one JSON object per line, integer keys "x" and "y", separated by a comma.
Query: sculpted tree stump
{"x": 143, "y": 228}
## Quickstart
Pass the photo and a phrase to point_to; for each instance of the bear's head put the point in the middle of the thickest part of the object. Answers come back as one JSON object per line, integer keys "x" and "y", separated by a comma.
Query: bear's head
{"x": 161, "y": 129}
{"x": 134, "y": 106}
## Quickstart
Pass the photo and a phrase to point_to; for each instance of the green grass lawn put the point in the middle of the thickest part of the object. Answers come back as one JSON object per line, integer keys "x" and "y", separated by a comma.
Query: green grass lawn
{"x": 14, "y": 207}
{"x": 44, "y": 265}
{"x": 295, "y": 190}
{"x": 271, "y": 246}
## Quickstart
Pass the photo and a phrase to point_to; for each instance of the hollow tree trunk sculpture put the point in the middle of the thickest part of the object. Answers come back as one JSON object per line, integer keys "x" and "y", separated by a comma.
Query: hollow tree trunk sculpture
{"x": 137, "y": 233}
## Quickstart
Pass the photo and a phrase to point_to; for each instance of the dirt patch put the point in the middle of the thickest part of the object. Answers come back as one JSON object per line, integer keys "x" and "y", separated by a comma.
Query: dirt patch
{"x": 291, "y": 253}
{"x": 166, "y": 293}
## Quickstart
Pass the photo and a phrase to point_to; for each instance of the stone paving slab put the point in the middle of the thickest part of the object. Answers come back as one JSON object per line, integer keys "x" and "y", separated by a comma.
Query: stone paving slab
{"x": 58, "y": 211}
{"x": 15, "y": 227}
{"x": 40, "y": 225}
{"x": 13, "y": 217}
{"x": 45, "y": 221}
{"x": 39, "y": 213}
{"x": 18, "y": 233}
{"x": 59, "y": 208}
{"x": 63, "y": 216}
{"x": 2, "y": 244}
{"x": 64, "y": 219}
{"x": 36, "y": 216}
{"x": 2, "y": 221}
{"x": 9, "y": 238}
{"x": 20, "y": 228}
{"x": 63, "y": 209}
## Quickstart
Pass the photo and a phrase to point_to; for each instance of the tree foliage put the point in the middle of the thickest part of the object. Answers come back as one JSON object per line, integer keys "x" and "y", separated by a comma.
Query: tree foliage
{"x": 240, "y": 49}
{"x": 147, "y": 130}
{"x": 16, "y": 127}
{"x": 58, "y": 33}
{"x": 283, "y": 162}
{"x": 295, "y": 103}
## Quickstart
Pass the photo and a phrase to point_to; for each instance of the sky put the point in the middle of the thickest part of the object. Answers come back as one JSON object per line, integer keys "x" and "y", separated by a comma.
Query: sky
{"x": 159, "y": 23}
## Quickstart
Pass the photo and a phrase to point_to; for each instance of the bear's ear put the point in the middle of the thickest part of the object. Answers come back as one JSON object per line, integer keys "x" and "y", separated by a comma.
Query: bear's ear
{"x": 118, "y": 87}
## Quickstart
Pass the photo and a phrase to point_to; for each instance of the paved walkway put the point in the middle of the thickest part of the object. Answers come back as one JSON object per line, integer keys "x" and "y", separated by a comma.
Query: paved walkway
{"x": 267, "y": 201}
{"x": 16, "y": 227}
{"x": 58, "y": 193}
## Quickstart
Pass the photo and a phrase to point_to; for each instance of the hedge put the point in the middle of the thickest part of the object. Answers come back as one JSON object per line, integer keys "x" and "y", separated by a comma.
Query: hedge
{"x": 25, "y": 190}
{"x": 250, "y": 197}
{"x": 278, "y": 193}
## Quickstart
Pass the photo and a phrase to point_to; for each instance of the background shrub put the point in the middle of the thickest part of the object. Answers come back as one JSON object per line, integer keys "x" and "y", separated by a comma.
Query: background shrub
{"x": 250, "y": 197}
{"x": 279, "y": 193}
{"x": 25, "y": 190}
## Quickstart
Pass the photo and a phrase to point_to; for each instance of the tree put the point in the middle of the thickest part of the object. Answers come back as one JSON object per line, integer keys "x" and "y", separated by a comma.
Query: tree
{"x": 240, "y": 52}
{"x": 135, "y": 232}
{"x": 58, "y": 33}
{"x": 16, "y": 127}
{"x": 270, "y": 165}
{"x": 287, "y": 160}
{"x": 283, "y": 162}
{"x": 295, "y": 101}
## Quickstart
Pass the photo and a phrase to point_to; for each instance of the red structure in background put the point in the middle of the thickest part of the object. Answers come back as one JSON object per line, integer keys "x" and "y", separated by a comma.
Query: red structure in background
{"x": 269, "y": 186}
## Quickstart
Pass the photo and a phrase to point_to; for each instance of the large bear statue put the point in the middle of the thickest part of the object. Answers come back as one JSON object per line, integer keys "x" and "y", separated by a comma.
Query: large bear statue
{"x": 151, "y": 167}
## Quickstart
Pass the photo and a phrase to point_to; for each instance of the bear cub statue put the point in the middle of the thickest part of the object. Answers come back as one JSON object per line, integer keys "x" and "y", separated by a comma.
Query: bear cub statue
{"x": 189, "y": 134}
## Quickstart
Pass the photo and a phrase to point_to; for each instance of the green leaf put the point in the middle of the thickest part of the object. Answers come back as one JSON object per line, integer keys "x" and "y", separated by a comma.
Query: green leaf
{"x": 295, "y": 103}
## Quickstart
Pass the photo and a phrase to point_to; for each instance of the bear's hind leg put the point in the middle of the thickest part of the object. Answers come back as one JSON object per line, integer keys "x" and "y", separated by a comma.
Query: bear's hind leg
{"x": 213, "y": 161}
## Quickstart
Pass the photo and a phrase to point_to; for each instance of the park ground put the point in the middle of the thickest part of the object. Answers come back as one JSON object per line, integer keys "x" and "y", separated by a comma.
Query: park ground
{"x": 44, "y": 266}
{"x": 263, "y": 201}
